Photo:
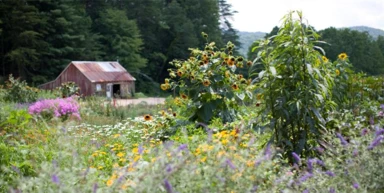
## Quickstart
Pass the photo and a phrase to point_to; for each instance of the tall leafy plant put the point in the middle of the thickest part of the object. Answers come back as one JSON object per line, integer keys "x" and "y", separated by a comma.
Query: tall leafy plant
{"x": 296, "y": 85}
{"x": 208, "y": 83}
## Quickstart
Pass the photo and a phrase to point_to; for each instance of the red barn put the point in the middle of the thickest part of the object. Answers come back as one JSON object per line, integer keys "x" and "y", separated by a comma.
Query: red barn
{"x": 102, "y": 78}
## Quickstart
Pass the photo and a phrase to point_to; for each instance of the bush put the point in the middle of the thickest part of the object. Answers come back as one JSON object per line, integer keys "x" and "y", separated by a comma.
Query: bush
{"x": 61, "y": 108}
{"x": 19, "y": 91}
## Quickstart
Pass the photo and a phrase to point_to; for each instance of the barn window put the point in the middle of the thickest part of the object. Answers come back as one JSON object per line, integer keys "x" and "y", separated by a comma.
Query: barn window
{"x": 98, "y": 87}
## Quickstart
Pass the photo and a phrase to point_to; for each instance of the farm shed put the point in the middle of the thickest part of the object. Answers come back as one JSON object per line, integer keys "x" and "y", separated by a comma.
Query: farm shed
{"x": 102, "y": 78}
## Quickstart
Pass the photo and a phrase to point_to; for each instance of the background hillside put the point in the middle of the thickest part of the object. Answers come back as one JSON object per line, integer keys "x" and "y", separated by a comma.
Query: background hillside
{"x": 247, "y": 38}
{"x": 371, "y": 31}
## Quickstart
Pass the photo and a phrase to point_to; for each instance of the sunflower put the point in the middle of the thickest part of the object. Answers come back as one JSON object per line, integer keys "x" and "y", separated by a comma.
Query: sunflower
{"x": 240, "y": 59}
{"x": 227, "y": 74}
{"x": 147, "y": 117}
{"x": 337, "y": 72}
{"x": 183, "y": 96}
{"x": 343, "y": 56}
{"x": 201, "y": 63}
{"x": 166, "y": 81}
{"x": 239, "y": 76}
{"x": 325, "y": 59}
{"x": 235, "y": 86}
{"x": 206, "y": 82}
{"x": 174, "y": 114}
{"x": 164, "y": 86}
{"x": 231, "y": 62}
{"x": 249, "y": 63}
{"x": 179, "y": 73}
{"x": 193, "y": 77}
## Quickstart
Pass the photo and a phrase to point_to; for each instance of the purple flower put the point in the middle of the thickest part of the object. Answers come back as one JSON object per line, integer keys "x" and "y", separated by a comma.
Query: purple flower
{"x": 168, "y": 168}
{"x": 305, "y": 177}
{"x": 379, "y": 132}
{"x": 306, "y": 191}
{"x": 371, "y": 121}
{"x": 267, "y": 150}
{"x": 55, "y": 179}
{"x": 356, "y": 185}
{"x": 296, "y": 157}
{"x": 95, "y": 186}
{"x": 342, "y": 140}
{"x": 320, "y": 149}
{"x": 168, "y": 186}
{"x": 183, "y": 147}
{"x": 364, "y": 131}
{"x": 332, "y": 190}
{"x": 330, "y": 173}
{"x": 309, "y": 165}
{"x": 230, "y": 164}
{"x": 382, "y": 106}
{"x": 355, "y": 152}
{"x": 140, "y": 149}
{"x": 375, "y": 142}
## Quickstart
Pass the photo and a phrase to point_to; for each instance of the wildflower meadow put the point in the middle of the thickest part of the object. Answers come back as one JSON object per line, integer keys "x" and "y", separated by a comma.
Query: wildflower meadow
{"x": 295, "y": 122}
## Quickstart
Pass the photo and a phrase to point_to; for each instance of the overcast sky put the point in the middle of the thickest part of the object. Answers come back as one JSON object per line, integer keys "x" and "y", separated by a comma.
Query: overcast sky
{"x": 263, "y": 15}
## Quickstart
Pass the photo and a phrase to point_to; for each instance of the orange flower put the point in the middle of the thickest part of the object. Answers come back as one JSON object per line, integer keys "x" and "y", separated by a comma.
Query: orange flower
{"x": 235, "y": 86}
{"x": 206, "y": 82}
{"x": 179, "y": 73}
{"x": 184, "y": 96}
{"x": 147, "y": 117}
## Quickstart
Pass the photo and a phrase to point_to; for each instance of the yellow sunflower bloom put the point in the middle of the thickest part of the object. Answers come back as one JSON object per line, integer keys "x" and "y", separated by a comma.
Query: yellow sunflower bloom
{"x": 147, "y": 117}
{"x": 325, "y": 59}
{"x": 337, "y": 72}
{"x": 342, "y": 56}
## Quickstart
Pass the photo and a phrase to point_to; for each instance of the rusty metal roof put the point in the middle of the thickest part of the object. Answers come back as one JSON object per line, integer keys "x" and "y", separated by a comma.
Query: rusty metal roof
{"x": 103, "y": 71}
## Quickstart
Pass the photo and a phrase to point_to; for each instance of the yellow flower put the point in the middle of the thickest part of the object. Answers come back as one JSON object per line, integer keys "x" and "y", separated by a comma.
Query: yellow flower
{"x": 110, "y": 182}
{"x": 164, "y": 86}
{"x": 166, "y": 81}
{"x": 121, "y": 154}
{"x": 337, "y": 72}
{"x": 136, "y": 158}
{"x": 227, "y": 73}
{"x": 343, "y": 56}
{"x": 203, "y": 159}
{"x": 116, "y": 135}
{"x": 147, "y": 117}
{"x": 135, "y": 150}
{"x": 325, "y": 59}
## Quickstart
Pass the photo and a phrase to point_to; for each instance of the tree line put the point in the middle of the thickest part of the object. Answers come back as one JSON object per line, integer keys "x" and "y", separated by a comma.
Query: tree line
{"x": 39, "y": 38}
{"x": 365, "y": 52}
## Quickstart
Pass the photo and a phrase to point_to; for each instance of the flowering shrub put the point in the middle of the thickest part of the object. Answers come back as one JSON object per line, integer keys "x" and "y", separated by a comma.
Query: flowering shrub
{"x": 208, "y": 84}
{"x": 19, "y": 91}
{"x": 61, "y": 108}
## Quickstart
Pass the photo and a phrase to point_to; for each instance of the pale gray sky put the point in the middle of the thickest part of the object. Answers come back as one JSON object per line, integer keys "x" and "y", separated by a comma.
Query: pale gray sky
{"x": 263, "y": 15}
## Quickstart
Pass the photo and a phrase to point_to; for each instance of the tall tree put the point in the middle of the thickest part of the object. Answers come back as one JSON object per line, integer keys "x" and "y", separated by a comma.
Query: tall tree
{"x": 22, "y": 38}
{"x": 69, "y": 37}
{"x": 228, "y": 32}
{"x": 120, "y": 38}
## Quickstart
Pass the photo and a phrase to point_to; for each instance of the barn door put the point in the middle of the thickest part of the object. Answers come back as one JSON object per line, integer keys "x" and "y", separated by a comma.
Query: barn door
{"x": 109, "y": 90}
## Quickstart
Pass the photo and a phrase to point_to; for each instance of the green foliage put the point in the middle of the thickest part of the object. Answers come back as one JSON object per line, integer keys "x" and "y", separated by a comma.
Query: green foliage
{"x": 68, "y": 89}
{"x": 18, "y": 91}
{"x": 121, "y": 38}
{"x": 297, "y": 86}
{"x": 208, "y": 85}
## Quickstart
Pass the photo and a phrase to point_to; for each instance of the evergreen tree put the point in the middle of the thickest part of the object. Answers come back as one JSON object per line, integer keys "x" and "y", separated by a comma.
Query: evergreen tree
{"x": 120, "y": 38}
{"x": 22, "y": 39}
{"x": 229, "y": 34}
{"x": 69, "y": 37}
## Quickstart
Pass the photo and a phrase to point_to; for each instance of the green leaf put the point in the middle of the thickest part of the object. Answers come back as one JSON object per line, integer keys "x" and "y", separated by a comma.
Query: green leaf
{"x": 309, "y": 67}
{"x": 261, "y": 74}
{"x": 273, "y": 70}
{"x": 249, "y": 93}
{"x": 240, "y": 95}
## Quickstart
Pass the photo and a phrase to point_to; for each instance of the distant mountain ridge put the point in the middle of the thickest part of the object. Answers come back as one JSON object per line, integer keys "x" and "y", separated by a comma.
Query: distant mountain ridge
{"x": 374, "y": 32}
{"x": 247, "y": 38}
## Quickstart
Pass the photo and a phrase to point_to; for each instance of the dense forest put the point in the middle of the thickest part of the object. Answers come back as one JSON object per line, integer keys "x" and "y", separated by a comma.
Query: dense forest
{"x": 39, "y": 38}
{"x": 364, "y": 45}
